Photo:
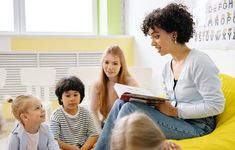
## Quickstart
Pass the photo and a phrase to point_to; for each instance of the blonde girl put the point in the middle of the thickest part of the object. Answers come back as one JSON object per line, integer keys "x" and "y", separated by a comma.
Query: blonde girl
{"x": 114, "y": 70}
{"x": 30, "y": 133}
{"x": 138, "y": 132}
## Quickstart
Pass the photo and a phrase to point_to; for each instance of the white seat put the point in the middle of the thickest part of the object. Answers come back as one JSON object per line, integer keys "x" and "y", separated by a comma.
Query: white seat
{"x": 3, "y": 77}
{"x": 143, "y": 75}
{"x": 2, "y": 83}
{"x": 89, "y": 74}
{"x": 41, "y": 79}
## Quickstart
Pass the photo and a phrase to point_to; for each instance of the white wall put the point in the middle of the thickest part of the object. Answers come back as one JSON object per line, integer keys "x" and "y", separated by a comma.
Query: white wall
{"x": 5, "y": 44}
{"x": 145, "y": 55}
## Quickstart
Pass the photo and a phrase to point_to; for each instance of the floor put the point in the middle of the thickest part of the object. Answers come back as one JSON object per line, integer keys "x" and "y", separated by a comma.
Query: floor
{"x": 3, "y": 143}
{"x": 4, "y": 133}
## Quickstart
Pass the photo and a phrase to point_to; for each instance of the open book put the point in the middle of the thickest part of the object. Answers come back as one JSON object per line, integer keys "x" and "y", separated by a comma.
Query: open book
{"x": 130, "y": 93}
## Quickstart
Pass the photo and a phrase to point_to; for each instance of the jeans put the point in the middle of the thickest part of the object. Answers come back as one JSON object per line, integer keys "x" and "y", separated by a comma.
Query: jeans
{"x": 172, "y": 127}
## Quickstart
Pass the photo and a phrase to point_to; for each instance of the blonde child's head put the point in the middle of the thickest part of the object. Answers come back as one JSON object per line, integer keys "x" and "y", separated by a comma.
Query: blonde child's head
{"x": 136, "y": 132}
{"x": 22, "y": 104}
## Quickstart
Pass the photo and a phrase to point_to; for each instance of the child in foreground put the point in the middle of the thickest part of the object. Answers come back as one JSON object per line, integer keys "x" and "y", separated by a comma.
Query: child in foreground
{"x": 138, "y": 132}
{"x": 71, "y": 124}
{"x": 30, "y": 133}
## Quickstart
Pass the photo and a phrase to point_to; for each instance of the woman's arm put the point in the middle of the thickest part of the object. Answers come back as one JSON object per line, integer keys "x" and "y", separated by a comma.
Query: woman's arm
{"x": 93, "y": 105}
{"x": 168, "y": 145}
{"x": 132, "y": 82}
{"x": 198, "y": 91}
{"x": 96, "y": 119}
{"x": 208, "y": 84}
{"x": 167, "y": 109}
{"x": 94, "y": 97}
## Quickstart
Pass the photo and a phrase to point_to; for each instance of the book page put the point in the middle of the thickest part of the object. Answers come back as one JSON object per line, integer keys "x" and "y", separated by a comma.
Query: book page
{"x": 121, "y": 89}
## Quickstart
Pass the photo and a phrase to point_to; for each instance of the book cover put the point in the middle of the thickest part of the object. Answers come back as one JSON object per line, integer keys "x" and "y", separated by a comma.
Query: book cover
{"x": 129, "y": 93}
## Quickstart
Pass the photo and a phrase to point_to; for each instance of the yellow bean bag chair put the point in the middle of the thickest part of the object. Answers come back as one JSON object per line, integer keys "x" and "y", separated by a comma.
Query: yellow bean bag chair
{"x": 223, "y": 137}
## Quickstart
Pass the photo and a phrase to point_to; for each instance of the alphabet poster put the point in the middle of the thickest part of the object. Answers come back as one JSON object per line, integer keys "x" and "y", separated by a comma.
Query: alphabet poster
{"x": 214, "y": 24}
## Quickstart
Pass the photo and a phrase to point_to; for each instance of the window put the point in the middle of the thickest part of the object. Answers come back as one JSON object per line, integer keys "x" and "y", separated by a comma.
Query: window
{"x": 6, "y": 16}
{"x": 50, "y": 16}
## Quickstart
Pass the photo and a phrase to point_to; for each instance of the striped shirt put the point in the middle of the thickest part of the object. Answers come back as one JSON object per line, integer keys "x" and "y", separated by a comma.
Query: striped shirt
{"x": 72, "y": 129}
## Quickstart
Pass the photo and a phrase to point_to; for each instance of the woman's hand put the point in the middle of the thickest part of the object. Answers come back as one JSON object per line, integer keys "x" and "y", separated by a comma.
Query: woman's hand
{"x": 167, "y": 109}
{"x": 168, "y": 145}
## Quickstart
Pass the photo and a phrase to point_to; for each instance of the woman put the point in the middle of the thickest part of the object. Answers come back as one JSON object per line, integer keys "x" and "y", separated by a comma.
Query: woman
{"x": 190, "y": 79}
{"x": 103, "y": 95}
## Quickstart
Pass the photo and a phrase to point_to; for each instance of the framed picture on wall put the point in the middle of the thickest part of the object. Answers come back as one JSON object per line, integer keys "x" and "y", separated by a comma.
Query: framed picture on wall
{"x": 214, "y": 24}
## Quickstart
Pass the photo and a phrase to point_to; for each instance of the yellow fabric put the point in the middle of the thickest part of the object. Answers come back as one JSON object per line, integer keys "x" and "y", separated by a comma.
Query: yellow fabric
{"x": 6, "y": 110}
{"x": 54, "y": 104}
{"x": 223, "y": 137}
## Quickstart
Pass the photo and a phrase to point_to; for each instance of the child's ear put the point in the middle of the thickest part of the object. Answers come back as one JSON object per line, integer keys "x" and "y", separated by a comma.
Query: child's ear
{"x": 174, "y": 35}
{"x": 61, "y": 101}
{"x": 23, "y": 117}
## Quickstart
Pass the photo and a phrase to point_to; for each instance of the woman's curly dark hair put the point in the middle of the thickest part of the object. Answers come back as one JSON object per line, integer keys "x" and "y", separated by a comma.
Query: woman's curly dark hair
{"x": 172, "y": 18}
{"x": 67, "y": 84}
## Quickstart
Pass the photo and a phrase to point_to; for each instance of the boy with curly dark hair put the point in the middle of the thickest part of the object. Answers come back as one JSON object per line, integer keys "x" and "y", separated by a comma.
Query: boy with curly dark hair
{"x": 72, "y": 125}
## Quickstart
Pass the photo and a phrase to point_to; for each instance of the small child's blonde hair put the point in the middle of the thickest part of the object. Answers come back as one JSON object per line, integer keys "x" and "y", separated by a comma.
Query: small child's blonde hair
{"x": 20, "y": 105}
{"x": 136, "y": 130}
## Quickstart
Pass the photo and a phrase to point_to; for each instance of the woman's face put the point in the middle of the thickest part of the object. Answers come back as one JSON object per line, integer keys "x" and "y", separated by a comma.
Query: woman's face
{"x": 111, "y": 66}
{"x": 161, "y": 40}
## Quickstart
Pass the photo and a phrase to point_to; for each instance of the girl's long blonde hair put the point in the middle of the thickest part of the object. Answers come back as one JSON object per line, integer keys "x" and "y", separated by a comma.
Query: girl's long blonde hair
{"x": 20, "y": 105}
{"x": 136, "y": 130}
{"x": 102, "y": 85}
